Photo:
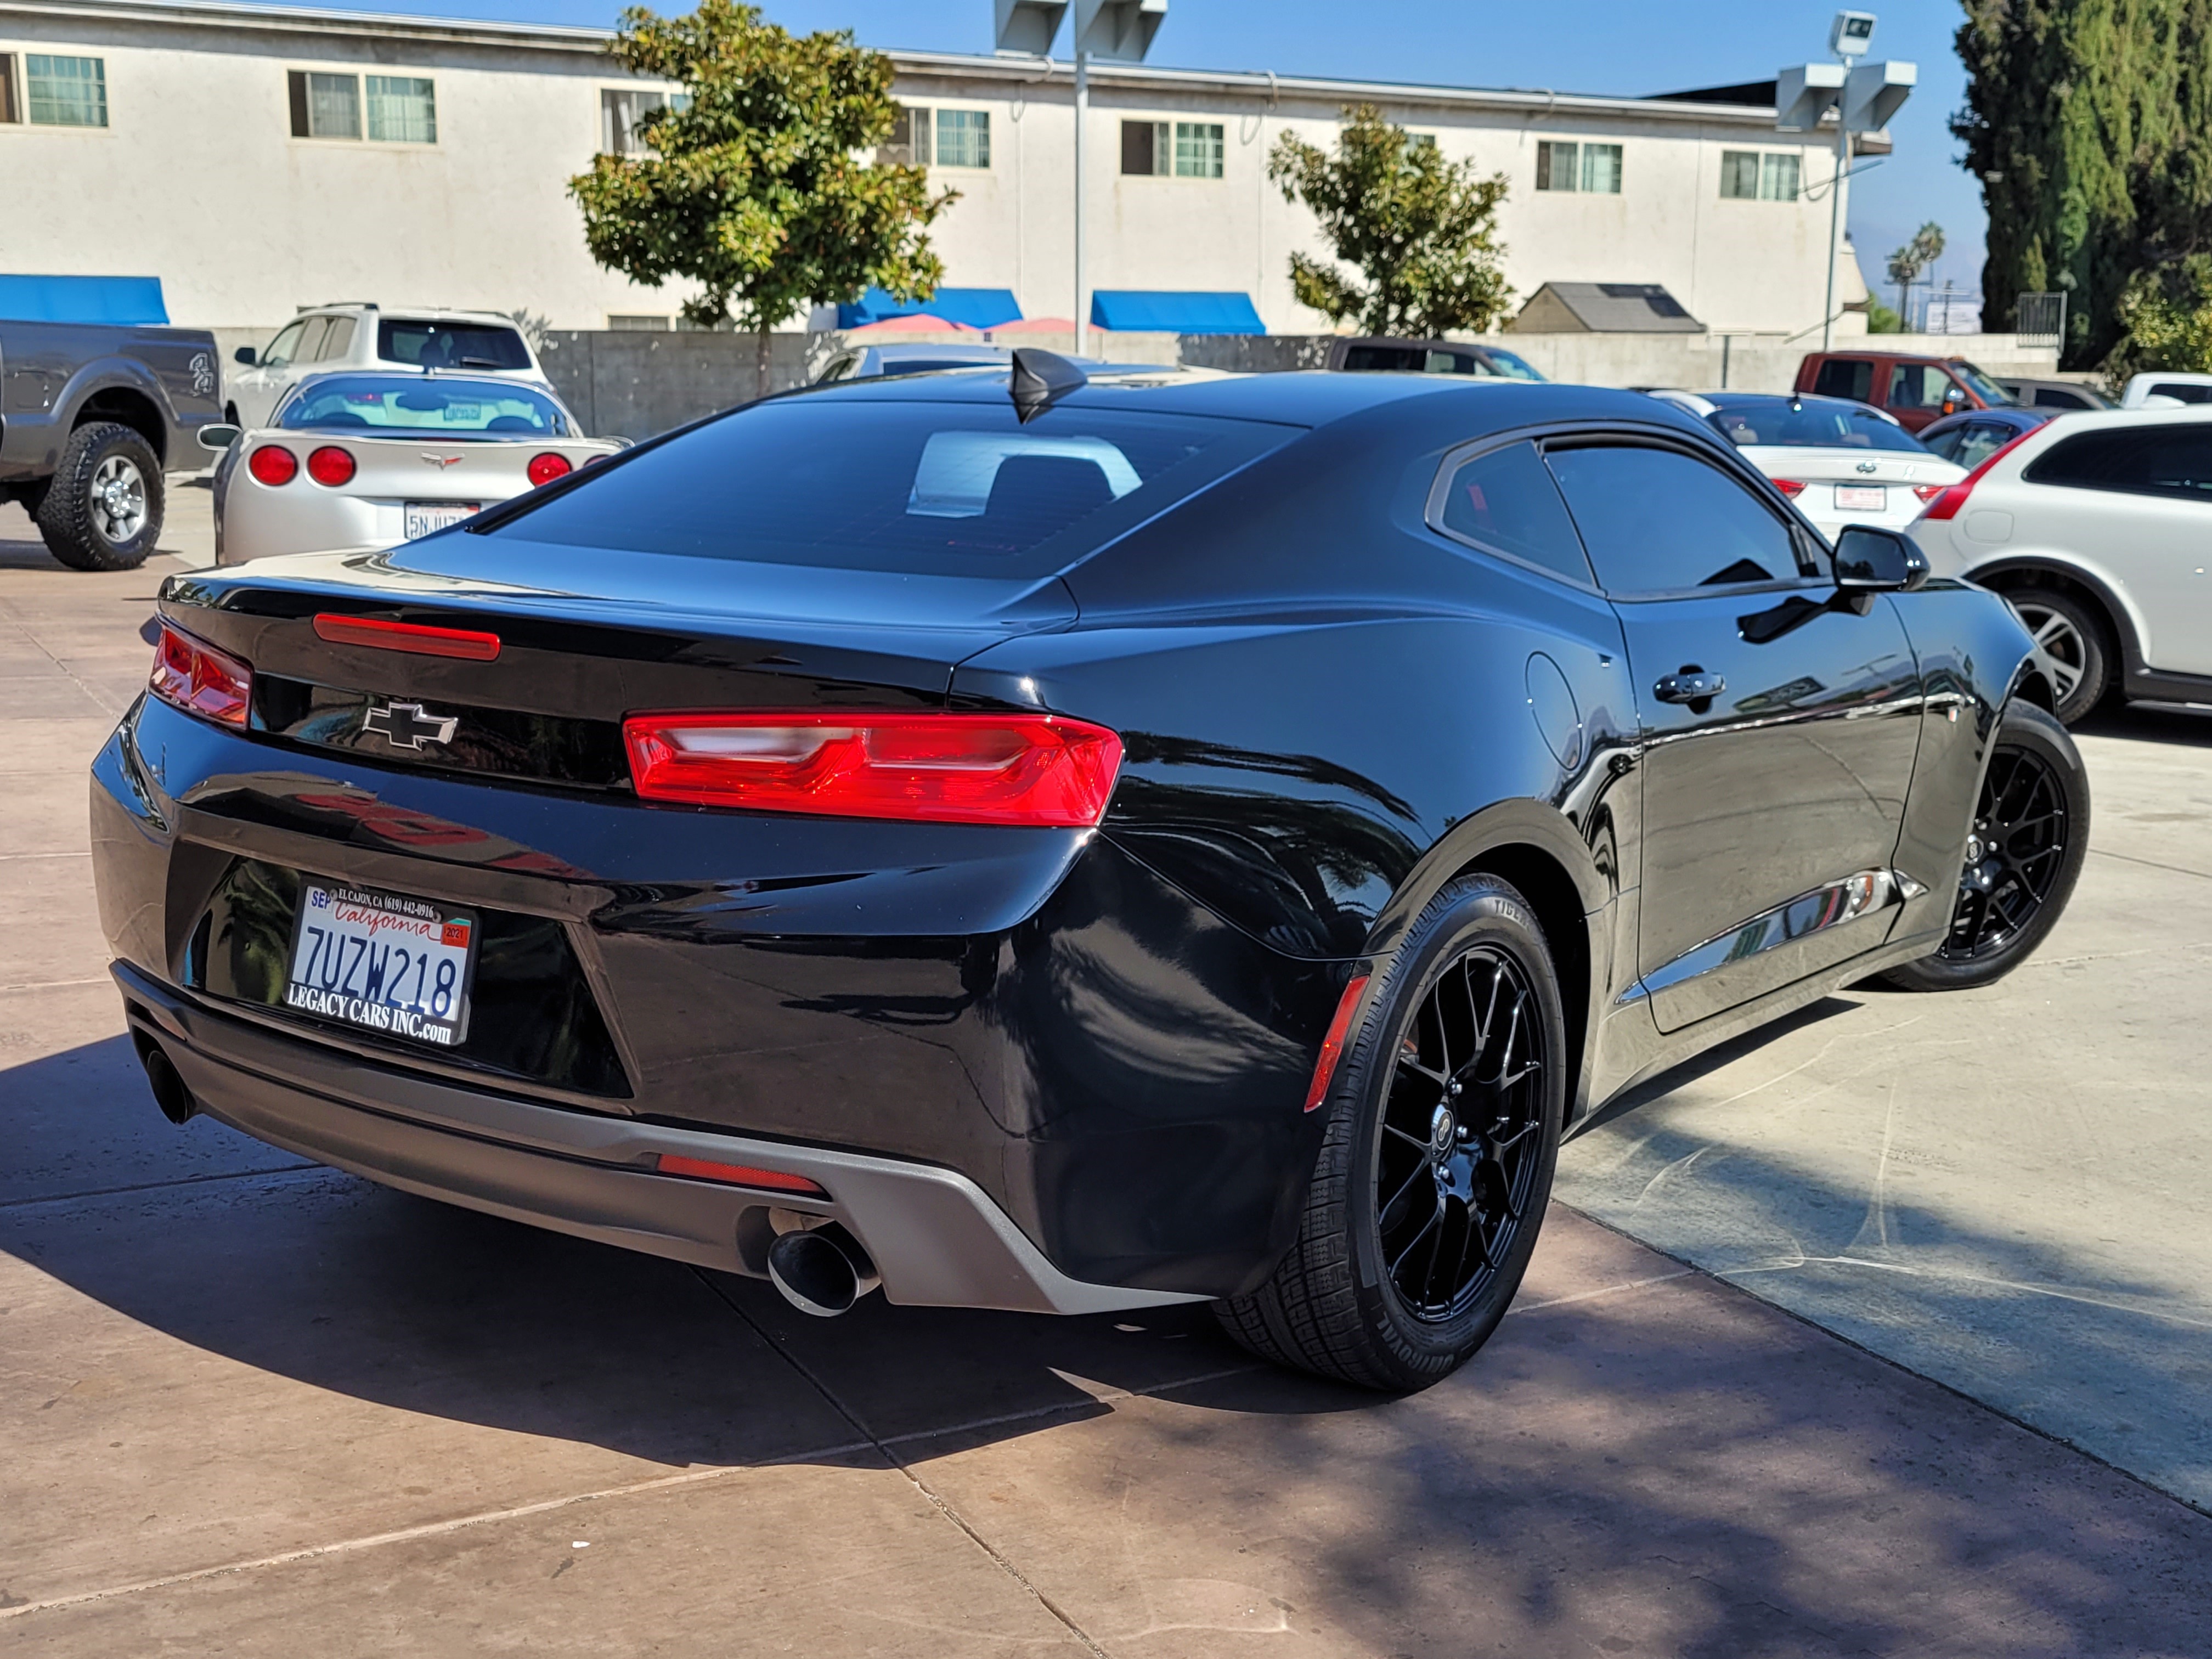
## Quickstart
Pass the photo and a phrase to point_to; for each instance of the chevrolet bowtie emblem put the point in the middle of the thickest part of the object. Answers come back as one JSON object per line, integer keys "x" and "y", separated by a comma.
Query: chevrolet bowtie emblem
{"x": 405, "y": 726}
{"x": 441, "y": 460}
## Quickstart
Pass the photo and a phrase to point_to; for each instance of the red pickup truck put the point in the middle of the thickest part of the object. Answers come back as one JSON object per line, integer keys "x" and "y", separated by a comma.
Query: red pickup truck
{"x": 1916, "y": 389}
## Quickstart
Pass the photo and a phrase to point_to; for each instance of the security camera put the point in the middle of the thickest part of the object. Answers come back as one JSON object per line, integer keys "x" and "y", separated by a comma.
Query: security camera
{"x": 1850, "y": 34}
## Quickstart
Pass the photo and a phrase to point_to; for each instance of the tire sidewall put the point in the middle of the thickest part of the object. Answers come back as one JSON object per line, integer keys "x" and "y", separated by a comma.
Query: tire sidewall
{"x": 65, "y": 517}
{"x": 1465, "y": 915}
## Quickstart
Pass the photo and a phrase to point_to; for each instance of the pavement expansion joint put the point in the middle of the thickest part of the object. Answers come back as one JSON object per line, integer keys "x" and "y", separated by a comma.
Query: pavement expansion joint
{"x": 162, "y": 1186}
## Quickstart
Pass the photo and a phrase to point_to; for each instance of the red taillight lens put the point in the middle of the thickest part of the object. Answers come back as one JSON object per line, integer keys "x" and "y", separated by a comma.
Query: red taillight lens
{"x": 1928, "y": 492}
{"x": 1332, "y": 1046}
{"x": 940, "y": 769}
{"x": 1949, "y": 499}
{"x": 416, "y": 639}
{"x": 273, "y": 464}
{"x": 1790, "y": 487}
{"x": 193, "y": 676}
{"x": 544, "y": 469}
{"x": 331, "y": 466}
{"x": 740, "y": 1175}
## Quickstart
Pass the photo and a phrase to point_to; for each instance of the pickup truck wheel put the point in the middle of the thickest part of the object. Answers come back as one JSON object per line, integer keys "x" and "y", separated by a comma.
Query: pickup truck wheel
{"x": 103, "y": 505}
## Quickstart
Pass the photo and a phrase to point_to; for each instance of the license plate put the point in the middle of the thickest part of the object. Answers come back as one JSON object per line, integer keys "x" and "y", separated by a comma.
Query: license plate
{"x": 382, "y": 961}
{"x": 425, "y": 516}
{"x": 1863, "y": 498}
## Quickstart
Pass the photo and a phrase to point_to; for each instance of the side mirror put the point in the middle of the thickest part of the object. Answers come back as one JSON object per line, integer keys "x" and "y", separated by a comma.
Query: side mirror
{"x": 1872, "y": 561}
{"x": 215, "y": 437}
{"x": 244, "y": 354}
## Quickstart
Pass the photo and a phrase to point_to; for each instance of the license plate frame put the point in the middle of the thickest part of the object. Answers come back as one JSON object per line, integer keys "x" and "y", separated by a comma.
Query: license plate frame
{"x": 1863, "y": 498}
{"x": 364, "y": 992}
{"x": 420, "y": 519}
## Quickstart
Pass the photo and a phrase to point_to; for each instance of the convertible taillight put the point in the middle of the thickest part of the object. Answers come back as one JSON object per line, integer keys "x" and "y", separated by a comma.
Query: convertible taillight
{"x": 193, "y": 675}
{"x": 331, "y": 466}
{"x": 1928, "y": 492}
{"x": 544, "y": 469}
{"x": 416, "y": 639}
{"x": 943, "y": 769}
{"x": 272, "y": 465}
{"x": 1793, "y": 487}
{"x": 1952, "y": 497}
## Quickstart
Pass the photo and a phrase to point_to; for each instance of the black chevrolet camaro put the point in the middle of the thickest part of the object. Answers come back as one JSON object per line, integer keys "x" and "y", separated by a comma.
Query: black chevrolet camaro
{"x": 1057, "y": 845}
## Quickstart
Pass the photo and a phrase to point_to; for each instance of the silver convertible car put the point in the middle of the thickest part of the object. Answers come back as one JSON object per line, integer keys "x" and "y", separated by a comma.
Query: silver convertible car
{"x": 355, "y": 462}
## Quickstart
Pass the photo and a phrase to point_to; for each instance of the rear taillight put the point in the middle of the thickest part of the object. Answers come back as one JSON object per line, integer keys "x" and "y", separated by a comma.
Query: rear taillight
{"x": 193, "y": 675}
{"x": 544, "y": 469}
{"x": 1948, "y": 499}
{"x": 331, "y": 466}
{"x": 942, "y": 769}
{"x": 1790, "y": 487}
{"x": 1928, "y": 492}
{"x": 273, "y": 464}
{"x": 416, "y": 639}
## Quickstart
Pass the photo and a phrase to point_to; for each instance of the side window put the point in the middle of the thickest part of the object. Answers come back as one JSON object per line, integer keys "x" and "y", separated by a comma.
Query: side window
{"x": 2173, "y": 461}
{"x": 1845, "y": 377}
{"x": 1977, "y": 441}
{"x": 1659, "y": 521}
{"x": 1923, "y": 386}
{"x": 2183, "y": 391}
{"x": 1504, "y": 502}
{"x": 2050, "y": 397}
{"x": 310, "y": 342}
{"x": 282, "y": 350}
{"x": 339, "y": 341}
{"x": 1946, "y": 444}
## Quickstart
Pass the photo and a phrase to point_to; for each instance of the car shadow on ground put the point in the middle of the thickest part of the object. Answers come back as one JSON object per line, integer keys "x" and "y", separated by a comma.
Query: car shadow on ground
{"x": 2185, "y": 723}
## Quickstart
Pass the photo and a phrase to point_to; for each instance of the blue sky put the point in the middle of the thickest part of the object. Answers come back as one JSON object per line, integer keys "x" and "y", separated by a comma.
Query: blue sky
{"x": 1620, "y": 46}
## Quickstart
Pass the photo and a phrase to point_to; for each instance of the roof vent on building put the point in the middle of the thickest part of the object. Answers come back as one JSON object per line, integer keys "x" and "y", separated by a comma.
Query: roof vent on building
{"x": 1604, "y": 309}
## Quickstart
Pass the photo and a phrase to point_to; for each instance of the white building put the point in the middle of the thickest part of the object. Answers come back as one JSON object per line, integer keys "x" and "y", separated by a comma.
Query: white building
{"x": 256, "y": 158}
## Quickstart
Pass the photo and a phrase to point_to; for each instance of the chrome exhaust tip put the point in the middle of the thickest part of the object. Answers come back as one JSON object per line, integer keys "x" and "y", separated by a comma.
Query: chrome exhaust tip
{"x": 821, "y": 1271}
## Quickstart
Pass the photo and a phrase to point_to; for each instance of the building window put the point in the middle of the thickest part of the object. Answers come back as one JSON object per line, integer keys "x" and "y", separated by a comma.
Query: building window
{"x": 324, "y": 106}
{"x": 620, "y": 112}
{"x": 1753, "y": 175}
{"x": 403, "y": 109}
{"x": 9, "y": 115}
{"x": 964, "y": 138}
{"x": 620, "y": 323}
{"x": 66, "y": 92}
{"x": 908, "y": 144}
{"x": 1592, "y": 169}
{"x": 1184, "y": 150}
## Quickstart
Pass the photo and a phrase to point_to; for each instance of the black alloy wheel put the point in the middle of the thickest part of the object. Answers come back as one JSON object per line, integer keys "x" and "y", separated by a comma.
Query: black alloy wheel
{"x": 2023, "y": 854}
{"x": 1436, "y": 1157}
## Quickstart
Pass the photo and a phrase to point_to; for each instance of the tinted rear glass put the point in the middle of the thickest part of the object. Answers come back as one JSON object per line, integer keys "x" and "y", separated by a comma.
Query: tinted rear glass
{"x": 2182, "y": 392}
{"x": 1779, "y": 421}
{"x": 931, "y": 488}
{"x": 450, "y": 345}
{"x": 421, "y": 406}
{"x": 2140, "y": 460}
{"x": 1845, "y": 377}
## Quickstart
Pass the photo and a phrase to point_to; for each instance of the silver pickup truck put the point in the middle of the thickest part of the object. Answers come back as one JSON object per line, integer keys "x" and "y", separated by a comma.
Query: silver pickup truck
{"x": 91, "y": 415}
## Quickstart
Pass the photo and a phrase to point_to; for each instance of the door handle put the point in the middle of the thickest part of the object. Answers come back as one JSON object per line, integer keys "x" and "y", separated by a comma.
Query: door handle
{"x": 1691, "y": 685}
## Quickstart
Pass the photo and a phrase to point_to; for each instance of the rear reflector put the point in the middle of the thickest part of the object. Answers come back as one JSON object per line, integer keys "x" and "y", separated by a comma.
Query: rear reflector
{"x": 1952, "y": 497}
{"x": 739, "y": 1174}
{"x": 331, "y": 466}
{"x": 1332, "y": 1046}
{"x": 942, "y": 769}
{"x": 273, "y": 464}
{"x": 544, "y": 469}
{"x": 415, "y": 638}
{"x": 193, "y": 675}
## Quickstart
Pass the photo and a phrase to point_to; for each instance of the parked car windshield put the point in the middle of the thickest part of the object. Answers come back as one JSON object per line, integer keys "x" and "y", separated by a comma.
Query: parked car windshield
{"x": 931, "y": 488}
{"x": 1808, "y": 423}
{"x": 424, "y": 405}
{"x": 1511, "y": 365}
{"x": 433, "y": 344}
{"x": 1982, "y": 385}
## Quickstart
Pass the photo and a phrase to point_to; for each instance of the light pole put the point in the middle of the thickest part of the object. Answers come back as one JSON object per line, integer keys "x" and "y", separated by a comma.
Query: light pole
{"x": 1863, "y": 96}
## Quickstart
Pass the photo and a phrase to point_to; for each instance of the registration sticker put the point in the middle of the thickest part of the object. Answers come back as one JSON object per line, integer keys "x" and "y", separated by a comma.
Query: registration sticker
{"x": 382, "y": 961}
{"x": 1860, "y": 498}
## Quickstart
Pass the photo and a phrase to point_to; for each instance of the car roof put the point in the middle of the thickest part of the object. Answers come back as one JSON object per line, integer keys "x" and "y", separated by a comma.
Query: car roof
{"x": 2180, "y": 376}
{"x": 403, "y": 314}
{"x": 1711, "y": 403}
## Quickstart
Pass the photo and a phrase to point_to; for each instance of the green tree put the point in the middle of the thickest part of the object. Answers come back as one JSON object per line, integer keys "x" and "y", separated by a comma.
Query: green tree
{"x": 754, "y": 189}
{"x": 2089, "y": 123}
{"x": 1423, "y": 231}
{"x": 2166, "y": 314}
{"x": 1881, "y": 320}
{"x": 1905, "y": 265}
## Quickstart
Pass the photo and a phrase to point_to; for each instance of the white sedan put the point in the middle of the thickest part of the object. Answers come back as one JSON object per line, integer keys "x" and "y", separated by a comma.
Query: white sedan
{"x": 363, "y": 461}
{"x": 1840, "y": 462}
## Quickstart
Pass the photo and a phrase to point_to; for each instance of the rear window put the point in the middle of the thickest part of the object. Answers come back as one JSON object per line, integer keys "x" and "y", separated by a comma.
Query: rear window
{"x": 930, "y": 488}
{"x": 450, "y": 345}
{"x": 2174, "y": 461}
{"x": 422, "y": 404}
{"x": 1789, "y": 425}
{"x": 1845, "y": 377}
{"x": 2182, "y": 392}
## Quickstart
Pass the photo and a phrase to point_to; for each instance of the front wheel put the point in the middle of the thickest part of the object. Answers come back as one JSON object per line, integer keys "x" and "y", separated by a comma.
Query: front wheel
{"x": 102, "y": 509}
{"x": 1435, "y": 1163}
{"x": 2024, "y": 853}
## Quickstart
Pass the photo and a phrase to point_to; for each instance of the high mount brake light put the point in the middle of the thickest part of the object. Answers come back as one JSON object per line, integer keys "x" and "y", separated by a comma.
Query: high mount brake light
{"x": 1036, "y": 770}
{"x": 544, "y": 469}
{"x": 273, "y": 465}
{"x": 1790, "y": 487}
{"x": 416, "y": 639}
{"x": 1953, "y": 496}
{"x": 331, "y": 466}
{"x": 193, "y": 675}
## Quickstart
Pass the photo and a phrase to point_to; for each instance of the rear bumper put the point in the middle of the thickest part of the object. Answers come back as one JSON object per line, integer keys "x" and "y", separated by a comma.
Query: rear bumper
{"x": 937, "y": 1239}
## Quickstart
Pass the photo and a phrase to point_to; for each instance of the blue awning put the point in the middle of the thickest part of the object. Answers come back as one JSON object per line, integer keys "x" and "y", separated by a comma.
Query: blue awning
{"x": 975, "y": 307}
{"x": 1171, "y": 311}
{"x": 82, "y": 299}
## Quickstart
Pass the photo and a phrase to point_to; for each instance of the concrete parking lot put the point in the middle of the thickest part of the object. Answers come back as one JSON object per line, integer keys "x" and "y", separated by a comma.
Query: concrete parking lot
{"x": 1913, "y": 1355}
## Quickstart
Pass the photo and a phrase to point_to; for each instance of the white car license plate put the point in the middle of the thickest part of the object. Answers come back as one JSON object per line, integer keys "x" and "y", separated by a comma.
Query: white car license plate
{"x": 1863, "y": 498}
{"x": 382, "y": 961}
{"x": 425, "y": 516}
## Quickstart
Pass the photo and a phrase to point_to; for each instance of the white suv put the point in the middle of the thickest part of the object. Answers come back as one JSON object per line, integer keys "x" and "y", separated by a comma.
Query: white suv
{"x": 322, "y": 338}
{"x": 2098, "y": 527}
